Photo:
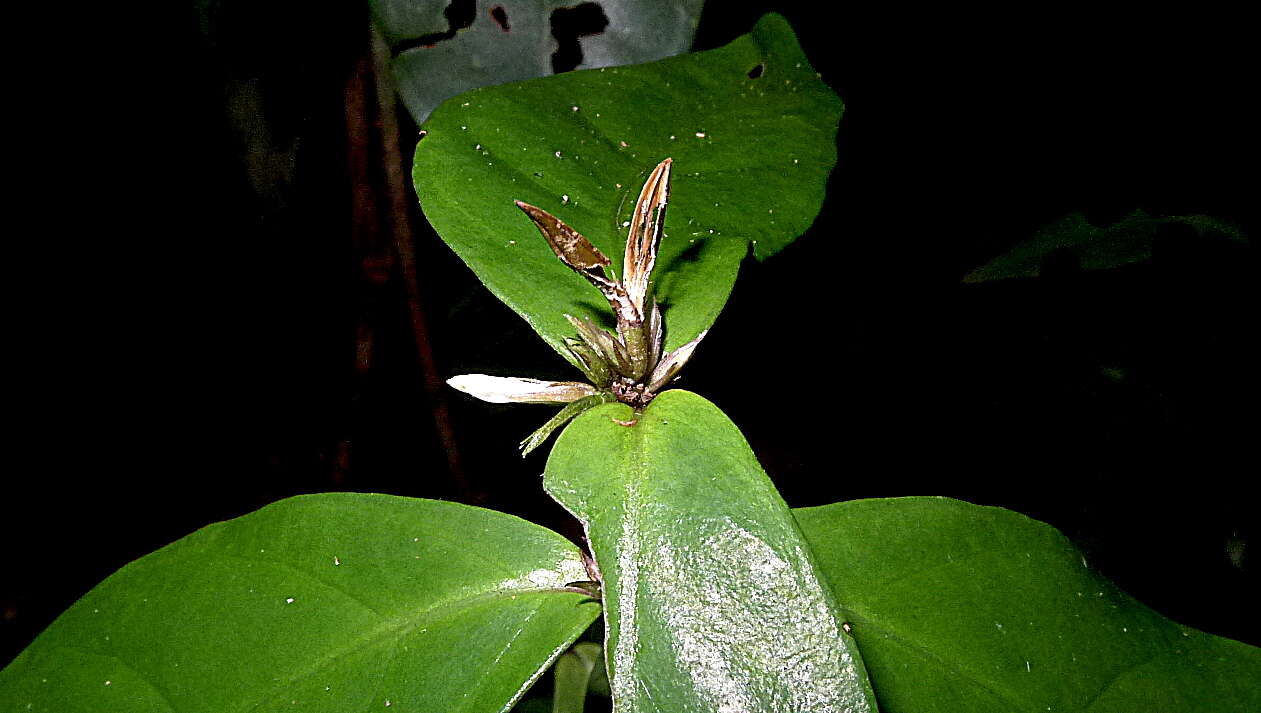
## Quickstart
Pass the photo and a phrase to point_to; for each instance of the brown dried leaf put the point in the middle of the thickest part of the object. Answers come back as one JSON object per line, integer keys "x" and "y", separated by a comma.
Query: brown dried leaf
{"x": 569, "y": 245}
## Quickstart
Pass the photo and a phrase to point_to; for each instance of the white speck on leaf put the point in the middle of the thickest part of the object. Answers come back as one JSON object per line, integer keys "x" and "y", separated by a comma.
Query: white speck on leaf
{"x": 289, "y": 600}
{"x": 557, "y": 154}
{"x": 700, "y": 134}
{"x": 336, "y": 561}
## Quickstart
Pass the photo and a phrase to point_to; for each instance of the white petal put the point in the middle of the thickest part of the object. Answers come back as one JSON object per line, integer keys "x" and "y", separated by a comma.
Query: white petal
{"x": 672, "y": 363}
{"x": 510, "y": 389}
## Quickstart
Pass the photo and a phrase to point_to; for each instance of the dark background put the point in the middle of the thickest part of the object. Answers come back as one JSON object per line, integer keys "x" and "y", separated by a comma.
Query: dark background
{"x": 216, "y": 318}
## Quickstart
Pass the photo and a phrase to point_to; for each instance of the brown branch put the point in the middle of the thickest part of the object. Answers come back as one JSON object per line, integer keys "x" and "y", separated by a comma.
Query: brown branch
{"x": 403, "y": 241}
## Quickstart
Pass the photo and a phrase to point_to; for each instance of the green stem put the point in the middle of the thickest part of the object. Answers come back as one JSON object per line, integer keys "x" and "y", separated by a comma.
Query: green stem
{"x": 636, "y": 347}
{"x": 562, "y": 417}
{"x": 572, "y": 674}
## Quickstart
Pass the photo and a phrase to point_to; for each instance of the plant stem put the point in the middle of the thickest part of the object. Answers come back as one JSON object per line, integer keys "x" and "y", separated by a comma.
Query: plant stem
{"x": 571, "y": 676}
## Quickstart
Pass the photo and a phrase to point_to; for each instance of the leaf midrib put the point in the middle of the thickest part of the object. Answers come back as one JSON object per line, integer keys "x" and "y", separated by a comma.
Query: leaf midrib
{"x": 390, "y": 629}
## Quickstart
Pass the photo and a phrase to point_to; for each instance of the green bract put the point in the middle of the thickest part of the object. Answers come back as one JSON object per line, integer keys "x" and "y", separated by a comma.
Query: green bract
{"x": 750, "y": 127}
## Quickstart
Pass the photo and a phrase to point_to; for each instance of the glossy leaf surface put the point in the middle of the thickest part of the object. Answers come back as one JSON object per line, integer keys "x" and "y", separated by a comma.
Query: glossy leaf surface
{"x": 1127, "y": 241}
{"x": 336, "y": 603}
{"x": 510, "y": 40}
{"x": 752, "y": 132}
{"x": 958, "y": 607}
{"x": 712, "y": 602}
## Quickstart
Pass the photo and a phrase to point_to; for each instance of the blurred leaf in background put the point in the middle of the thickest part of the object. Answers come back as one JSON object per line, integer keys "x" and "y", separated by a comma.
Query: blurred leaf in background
{"x": 442, "y": 48}
{"x": 1126, "y": 241}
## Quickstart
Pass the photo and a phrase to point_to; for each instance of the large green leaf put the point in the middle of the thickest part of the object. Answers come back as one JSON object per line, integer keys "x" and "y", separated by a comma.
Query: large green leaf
{"x": 510, "y": 40}
{"x": 1127, "y": 241}
{"x": 958, "y": 607}
{"x": 332, "y": 603}
{"x": 752, "y": 133}
{"x": 712, "y": 602}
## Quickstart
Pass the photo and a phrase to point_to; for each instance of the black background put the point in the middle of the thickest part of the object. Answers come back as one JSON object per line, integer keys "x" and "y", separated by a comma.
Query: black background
{"x": 188, "y": 336}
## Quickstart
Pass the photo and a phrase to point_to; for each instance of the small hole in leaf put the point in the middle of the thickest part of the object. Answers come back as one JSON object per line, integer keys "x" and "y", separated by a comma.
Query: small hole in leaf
{"x": 460, "y": 13}
{"x": 570, "y": 23}
{"x": 500, "y": 16}
{"x": 757, "y": 71}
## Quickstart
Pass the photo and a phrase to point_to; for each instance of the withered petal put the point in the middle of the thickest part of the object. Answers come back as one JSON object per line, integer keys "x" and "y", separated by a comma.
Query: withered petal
{"x": 511, "y": 389}
{"x": 644, "y": 236}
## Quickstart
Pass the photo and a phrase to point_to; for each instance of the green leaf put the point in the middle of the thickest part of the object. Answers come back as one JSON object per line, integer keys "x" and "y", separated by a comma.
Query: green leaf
{"x": 488, "y": 52}
{"x": 711, "y": 599}
{"x": 336, "y": 603}
{"x": 752, "y": 155}
{"x": 1127, "y": 241}
{"x": 958, "y": 607}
